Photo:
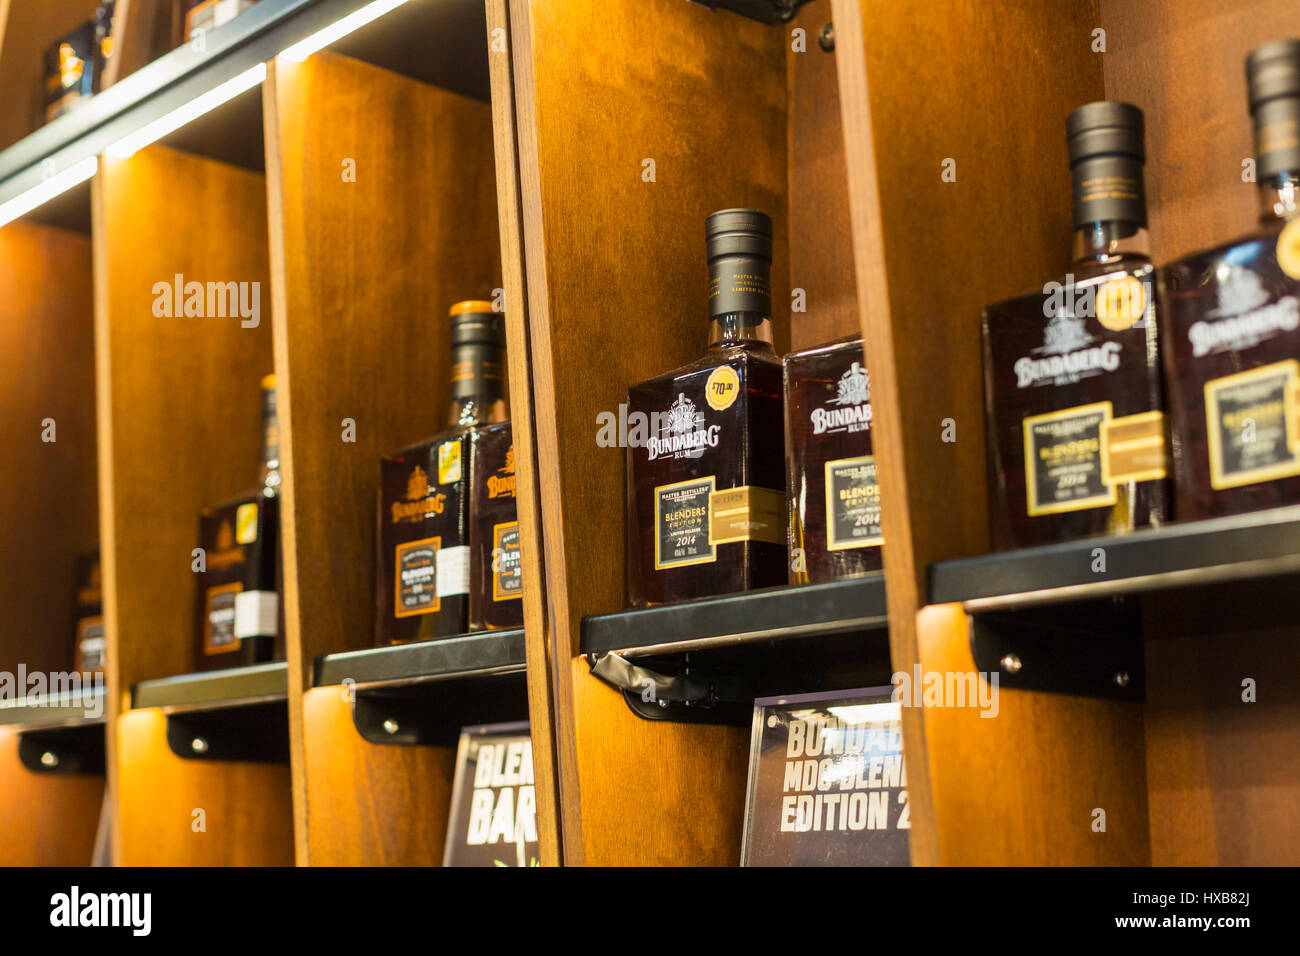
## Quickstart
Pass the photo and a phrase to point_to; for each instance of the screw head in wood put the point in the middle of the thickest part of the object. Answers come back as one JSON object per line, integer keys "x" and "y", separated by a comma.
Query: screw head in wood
{"x": 826, "y": 39}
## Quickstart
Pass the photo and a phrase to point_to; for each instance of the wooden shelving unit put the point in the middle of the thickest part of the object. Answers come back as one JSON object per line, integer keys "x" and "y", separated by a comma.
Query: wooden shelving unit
{"x": 562, "y": 157}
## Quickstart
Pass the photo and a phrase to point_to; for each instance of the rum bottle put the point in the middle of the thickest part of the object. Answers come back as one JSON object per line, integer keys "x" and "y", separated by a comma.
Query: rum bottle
{"x": 1073, "y": 403}
{"x": 1232, "y": 334}
{"x": 706, "y": 486}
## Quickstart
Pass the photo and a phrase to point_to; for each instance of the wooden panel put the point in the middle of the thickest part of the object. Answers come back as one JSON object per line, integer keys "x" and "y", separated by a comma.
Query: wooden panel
{"x": 142, "y": 32}
{"x": 617, "y": 293}
{"x": 1223, "y": 776}
{"x": 372, "y": 805}
{"x": 1022, "y": 787}
{"x": 917, "y": 90}
{"x": 365, "y": 272}
{"x": 47, "y": 497}
{"x": 246, "y": 818}
{"x": 537, "y": 636}
{"x": 656, "y": 793}
{"x": 27, "y": 28}
{"x": 1184, "y": 63}
{"x": 178, "y": 399}
{"x": 821, "y": 239}
{"x": 46, "y": 819}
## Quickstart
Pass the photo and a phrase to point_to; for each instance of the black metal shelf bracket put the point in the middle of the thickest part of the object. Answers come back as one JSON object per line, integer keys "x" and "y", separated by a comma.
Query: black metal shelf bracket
{"x": 1095, "y": 655}
{"x": 256, "y": 733}
{"x": 68, "y": 750}
{"x": 764, "y": 11}
{"x": 432, "y": 712}
{"x": 691, "y": 697}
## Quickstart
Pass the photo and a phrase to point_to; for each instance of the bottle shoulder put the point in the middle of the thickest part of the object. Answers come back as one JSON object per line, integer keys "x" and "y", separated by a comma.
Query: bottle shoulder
{"x": 746, "y": 362}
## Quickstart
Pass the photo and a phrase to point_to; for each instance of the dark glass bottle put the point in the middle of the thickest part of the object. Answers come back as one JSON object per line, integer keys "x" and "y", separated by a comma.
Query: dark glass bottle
{"x": 1073, "y": 398}
{"x": 1232, "y": 326}
{"x": 498, "y": 585}
{"x": 830, "y": 469}
{"x": 425, "y": 508}
{"x": 238, "y": 601}
{"x": 705, "y": 475}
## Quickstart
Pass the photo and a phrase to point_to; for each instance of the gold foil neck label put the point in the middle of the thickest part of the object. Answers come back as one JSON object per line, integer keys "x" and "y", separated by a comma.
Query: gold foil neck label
{"x": 1133, "y": 448}
{"x": 747, "y": 513}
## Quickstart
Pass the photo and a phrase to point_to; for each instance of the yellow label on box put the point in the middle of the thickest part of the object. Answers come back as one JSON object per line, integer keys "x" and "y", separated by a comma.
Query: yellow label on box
{"x": 1250, "y": 421}
{"x": 246, "y": 523}
{"x": 1133, "y": 448}
{"x": 747, "y": 513}
{"x": 449, "y": 462}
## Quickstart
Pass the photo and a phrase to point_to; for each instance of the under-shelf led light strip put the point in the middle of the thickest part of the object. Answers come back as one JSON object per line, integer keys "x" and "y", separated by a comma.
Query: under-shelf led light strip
{"x": 156, "y": 129}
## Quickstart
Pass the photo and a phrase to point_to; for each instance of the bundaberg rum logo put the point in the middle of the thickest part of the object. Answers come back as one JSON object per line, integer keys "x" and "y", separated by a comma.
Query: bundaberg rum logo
{"x": 227, "y": 552}
{"x": 1242, "y": 318}
{"x": 687, "y": 436}
{"x": 418, "y": 502}
{"x": 1068, "y": 354}
{"x": 502, "y": 484}
{"x": 853, "y": 396}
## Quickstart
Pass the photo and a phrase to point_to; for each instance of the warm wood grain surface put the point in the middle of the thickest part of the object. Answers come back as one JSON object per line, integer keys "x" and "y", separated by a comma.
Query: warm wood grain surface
{"x": 617, "y": 286}
{"x": 48, "y": 495}
{"x": 1184, "y": 63}
{"x": 246, "y": 819}
{"x": 537, "y": 635}
{"x": 46, "y": 819}
{"x": 371, "y": 804}
{"x": 365, "y": 272}
{"x": 1022, "y": 788}
{"x": 1223, "y": 773}
{"x": 178, "y": 399}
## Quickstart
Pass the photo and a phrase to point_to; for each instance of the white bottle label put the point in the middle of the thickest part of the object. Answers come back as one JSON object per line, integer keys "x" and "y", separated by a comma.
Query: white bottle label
{"x": 453, "y": 571}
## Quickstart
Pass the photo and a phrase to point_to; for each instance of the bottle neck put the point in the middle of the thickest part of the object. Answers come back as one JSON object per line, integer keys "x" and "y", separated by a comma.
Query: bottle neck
{"x": 740, "y": 302}
{"x": 270, "y": 473}
{"x": 481, "y": 409}
{"x": 1100, "y": 247}
{"x": 1279, "y": 198}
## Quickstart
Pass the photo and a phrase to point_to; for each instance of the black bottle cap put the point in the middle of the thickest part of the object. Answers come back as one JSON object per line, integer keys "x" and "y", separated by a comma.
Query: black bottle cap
{"x": 1273, "y": 85}
{"x": 1107, "y": 148}
{"x": 739, "y": 244}
{"x": 478, "y": 343}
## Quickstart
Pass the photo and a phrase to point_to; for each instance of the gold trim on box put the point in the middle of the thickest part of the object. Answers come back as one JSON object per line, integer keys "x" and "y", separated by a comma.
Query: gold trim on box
{"x": 831, "y": 543}
{"x": 713, "y": 551}
{"x": 1133, "y": 448}
{"x": 497, "y": 593}
{"x": 747, "y": 513}
{"x": 1218, "y": 480}
{"x": 1031, "y": 483}
{"x": 234, "y": 587}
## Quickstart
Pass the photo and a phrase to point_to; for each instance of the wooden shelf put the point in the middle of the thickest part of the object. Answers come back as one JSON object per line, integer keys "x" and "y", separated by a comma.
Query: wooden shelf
{"x": 1241, "y": 547}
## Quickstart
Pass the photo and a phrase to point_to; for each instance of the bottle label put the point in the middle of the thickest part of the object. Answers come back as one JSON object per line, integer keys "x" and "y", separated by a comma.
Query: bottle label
{"x": 416, "y": 582}
{"x": 246, "y": 523}
{"x": 1063, "y": 460}
{"x": 219, "y": 619}
{"x": 682, "y": 523}
{"x": 1133, "y": 448}
{"x": 747, "y": 513}
{"x": 721, "y": 389}
{"x": 1288, "y": 249}
{"x": 1251, "y": 424}
{"x": 449, "y": 462}
{"x": 852, "y": 504}
{"x": 853, "y": 405}
{"x": 256, "y": 614}
{"x": 453, "y": 571}
{"x": 507, "y": 566}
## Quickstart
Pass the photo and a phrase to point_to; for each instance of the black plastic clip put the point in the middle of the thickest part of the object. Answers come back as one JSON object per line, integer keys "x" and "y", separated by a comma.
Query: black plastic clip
{"x": 254, "y": 733}
{"x": 685, "y": 698}
{"x": 65, "y": 750}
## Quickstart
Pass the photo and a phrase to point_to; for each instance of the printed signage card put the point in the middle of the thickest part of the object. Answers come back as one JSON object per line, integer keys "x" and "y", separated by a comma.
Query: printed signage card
{"x": 493, "y": 806}
{"x": 827, "y": 786}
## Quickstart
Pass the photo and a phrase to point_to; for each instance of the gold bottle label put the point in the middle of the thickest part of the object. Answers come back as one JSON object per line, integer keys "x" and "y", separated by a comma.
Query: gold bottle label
{"x": 852, "y": 504}
{"x": 747, "y": 513}
{"x": 1063, "y": 465}
{"x": 1133, "y": 448}
{"x": 507, "y": 568}
{"x": 682, "y": 523}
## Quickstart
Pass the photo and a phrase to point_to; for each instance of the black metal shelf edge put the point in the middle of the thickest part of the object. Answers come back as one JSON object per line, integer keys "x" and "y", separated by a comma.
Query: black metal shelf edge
{"x": 1253, "y": 545}
{"x": 767, "y": 614}
{"x": 215, "y": 690}
{"x": 445, "y": 658}
{"x": 51, "y": 712}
